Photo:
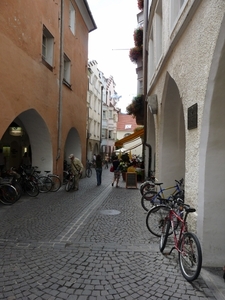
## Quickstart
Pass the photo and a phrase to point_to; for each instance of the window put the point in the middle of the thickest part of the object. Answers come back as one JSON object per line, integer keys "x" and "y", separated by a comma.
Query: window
{"x": 126, "y": 134}
{"x": 104, "y": 133}
{"x": 158, "y": 25}
{"x": 151, "y": 65}
{"x": 127, "y": 126}
{"x": 72, "y": 18}
{"x": 104, "y": 114}
{"x": 110, "y": 114}
{"x": 110, "y": 134}
{"x": 47, "y": 46}
{"x": 176, "y": 7}
{"x": 67, "y": 65}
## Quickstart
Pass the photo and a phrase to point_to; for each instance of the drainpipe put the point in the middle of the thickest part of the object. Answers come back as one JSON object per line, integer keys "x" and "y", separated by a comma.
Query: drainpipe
{"x": 145, "y": 69}
{"x": 61, "y": 61}
{"x": 101, "y": 119}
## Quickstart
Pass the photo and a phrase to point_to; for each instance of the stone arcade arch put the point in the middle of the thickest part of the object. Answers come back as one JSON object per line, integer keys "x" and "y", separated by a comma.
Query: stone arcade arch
{"x": 211, "y": 218}
{"x": 172, "y": 135}
{"x": 38, "y": 140}
{"x": 72, "y": 145}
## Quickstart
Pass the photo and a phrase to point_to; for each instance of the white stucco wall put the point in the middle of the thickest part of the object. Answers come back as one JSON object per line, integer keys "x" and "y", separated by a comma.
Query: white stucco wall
{"x": 188, "y": 62}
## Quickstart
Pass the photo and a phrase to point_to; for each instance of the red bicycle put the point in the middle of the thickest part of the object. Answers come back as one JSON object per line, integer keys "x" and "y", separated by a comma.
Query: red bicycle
{"x": 185, "y": 242}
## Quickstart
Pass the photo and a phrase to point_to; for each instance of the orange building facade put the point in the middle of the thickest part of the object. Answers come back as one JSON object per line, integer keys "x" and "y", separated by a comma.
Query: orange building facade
{"x": 43, "y": 86}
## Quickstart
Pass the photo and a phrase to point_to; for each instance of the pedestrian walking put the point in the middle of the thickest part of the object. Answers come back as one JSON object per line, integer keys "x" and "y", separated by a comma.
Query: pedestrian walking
{"x": 76, "y": 168}
{"x": 98, "y": 169}
{"x": 116, "y": 167}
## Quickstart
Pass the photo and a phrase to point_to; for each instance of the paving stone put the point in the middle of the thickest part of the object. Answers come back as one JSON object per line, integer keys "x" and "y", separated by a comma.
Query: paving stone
{"x": 61, "y": 246}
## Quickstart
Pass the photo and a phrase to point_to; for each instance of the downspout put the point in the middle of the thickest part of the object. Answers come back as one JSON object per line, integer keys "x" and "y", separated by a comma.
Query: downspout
{"x": 100, "y": 141}
{"x": 61, "y": 61}
{"x": 145, "y": 70}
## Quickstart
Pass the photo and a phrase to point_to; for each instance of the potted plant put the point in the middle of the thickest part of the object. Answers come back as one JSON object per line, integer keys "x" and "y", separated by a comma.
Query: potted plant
{"x": 135, "y": 53}
{"x": 138, "y": 37}
{"x": 125, "y": 161}
{"x": 136, "y": 108}
{"x": 140, "y": 4}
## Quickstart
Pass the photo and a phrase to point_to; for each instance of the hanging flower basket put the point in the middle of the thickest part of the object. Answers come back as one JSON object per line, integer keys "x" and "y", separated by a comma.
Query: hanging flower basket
{"x": 138, "y": 37}
{"x": 140, "y": 4}
{"x": 135, "y": 53}
{"x": 136, "y": 107}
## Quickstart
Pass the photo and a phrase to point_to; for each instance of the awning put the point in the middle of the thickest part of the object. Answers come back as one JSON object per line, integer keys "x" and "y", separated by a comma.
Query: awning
{"x": 133, "y": 147}
{"x": 137, "y": 134}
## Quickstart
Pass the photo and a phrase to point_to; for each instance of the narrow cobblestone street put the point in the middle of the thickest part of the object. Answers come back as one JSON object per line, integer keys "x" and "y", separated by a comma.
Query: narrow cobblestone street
{"x": 89, "y": 244}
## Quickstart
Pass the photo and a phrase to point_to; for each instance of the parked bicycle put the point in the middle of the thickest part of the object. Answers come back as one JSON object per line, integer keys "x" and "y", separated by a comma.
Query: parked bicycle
{"x": 70, "y": 184}
{"x": 8, "y": 193}
{"x": 185, "y": 242}
{"x": 149, "y": 184}
{"x": 88, "y": 169}
{"x": 28, "y": 182}
{"x": 151, "y": 198}
{"x": 56, "y": 182}
{"x": 48, "y": 182}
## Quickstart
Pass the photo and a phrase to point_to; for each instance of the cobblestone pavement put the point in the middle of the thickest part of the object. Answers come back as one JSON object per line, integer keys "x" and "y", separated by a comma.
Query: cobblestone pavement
{"x": 89, "y": 244}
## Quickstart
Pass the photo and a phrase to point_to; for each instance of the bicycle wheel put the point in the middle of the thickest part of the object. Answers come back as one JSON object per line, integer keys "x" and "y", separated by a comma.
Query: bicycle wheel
{"x": 88, "y": 172}
{"x": 56, "y": 183}
{"x": 31, "y": 188}
{"x": 19, "y": 190}
{"x": 44, "y": 184}
{"x": 164, "y": 234}
{"x": 69, "y": 185}
{"x": 147, "y": 203}
{"x": 8, "y": 194}
{"x": 149, "y": 195}
{"x": 147, "y": 186}
{"x": 155, "y": 219}
{"x": 190, "y": 256}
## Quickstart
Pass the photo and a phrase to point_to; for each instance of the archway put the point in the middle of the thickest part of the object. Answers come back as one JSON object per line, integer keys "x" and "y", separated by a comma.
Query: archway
{"x": 35, "y": 139}
{"x": 72, "y": 145}
{"x": 211, "y": 221}
{"x": 172, "y": 135}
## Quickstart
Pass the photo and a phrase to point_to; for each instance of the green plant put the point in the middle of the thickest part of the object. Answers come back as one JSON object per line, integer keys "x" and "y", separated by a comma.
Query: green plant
{"x": 136, "y": 107}
{"x": 138, "y": 37}
{"x": 125, "y": 161}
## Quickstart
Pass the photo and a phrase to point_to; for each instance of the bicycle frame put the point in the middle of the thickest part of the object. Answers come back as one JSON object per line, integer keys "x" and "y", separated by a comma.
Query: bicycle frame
{"x": 185, "y": 242}
{"x": 160, "y": 194}
{"x": 182, "y": 224}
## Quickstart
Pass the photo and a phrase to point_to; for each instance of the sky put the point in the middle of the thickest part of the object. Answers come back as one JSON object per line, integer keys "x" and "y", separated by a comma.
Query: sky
{"x": 116, "y": 21}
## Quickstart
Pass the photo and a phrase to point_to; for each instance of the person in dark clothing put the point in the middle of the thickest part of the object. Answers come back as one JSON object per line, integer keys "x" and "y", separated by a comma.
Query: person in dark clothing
{"x": 98, "y": 169}
{"x": 116, "y": 164}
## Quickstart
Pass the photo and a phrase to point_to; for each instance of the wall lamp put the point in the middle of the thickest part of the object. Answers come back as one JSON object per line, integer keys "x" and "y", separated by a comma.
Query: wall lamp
{"x": 153, "y": 104}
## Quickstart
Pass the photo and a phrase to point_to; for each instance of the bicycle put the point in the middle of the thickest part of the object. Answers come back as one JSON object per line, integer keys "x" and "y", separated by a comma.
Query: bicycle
{"x": 148, "y": 185}
{"x": 8, "y": 193}
{"x": 185, "y": 242}
{"x": 88, "y": 169}
{"x": 56, "y": 182}
{"x": 28, "y": 183}
{"x": 70, "y": 181}
{"x": 151, "y": 198}
{"x": 44, "y": 183}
